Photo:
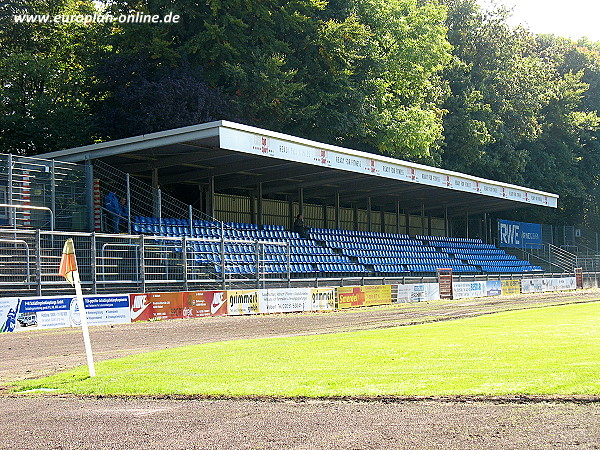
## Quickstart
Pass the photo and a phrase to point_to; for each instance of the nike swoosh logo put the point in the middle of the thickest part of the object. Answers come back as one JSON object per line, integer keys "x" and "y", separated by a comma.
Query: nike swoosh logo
{"x": 138, "y": 313}
{"x": 215, "y": 306}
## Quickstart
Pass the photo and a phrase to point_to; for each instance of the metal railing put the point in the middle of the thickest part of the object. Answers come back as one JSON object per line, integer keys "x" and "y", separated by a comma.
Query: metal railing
{"x": 109, "y": 263}
{"x": 30, "y": 208}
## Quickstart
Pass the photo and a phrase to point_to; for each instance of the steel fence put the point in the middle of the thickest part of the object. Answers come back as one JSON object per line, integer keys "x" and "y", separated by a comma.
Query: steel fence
{"x": 110, "y": 263}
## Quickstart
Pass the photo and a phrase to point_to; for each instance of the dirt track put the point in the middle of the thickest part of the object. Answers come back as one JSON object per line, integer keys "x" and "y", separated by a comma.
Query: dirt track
{"x": 46, "y": 422}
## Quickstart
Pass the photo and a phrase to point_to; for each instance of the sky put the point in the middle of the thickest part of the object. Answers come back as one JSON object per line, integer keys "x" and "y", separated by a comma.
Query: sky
{"x": 567, "y": 18}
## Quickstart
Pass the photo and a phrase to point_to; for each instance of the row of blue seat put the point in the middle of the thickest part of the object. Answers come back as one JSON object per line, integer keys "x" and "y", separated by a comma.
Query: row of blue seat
{"x": 448, "y": 239}
{"x": 364, "y": 234}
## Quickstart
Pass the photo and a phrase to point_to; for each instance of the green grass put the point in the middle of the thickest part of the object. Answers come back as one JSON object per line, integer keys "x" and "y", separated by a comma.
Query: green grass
{"x": 551, "y": 350}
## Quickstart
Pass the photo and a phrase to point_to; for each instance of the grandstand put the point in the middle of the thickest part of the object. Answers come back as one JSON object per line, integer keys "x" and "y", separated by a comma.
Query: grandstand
{"x": 369, "y": 216}
{"x": 327, "y": 251}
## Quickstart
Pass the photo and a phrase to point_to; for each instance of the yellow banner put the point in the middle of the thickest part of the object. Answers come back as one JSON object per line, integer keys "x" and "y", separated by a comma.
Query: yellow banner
{"x": 322, "y": 299}
{"x": 242, "y": 302}
{"x": 357, "y": 296}
{"x": 511, "y": 287}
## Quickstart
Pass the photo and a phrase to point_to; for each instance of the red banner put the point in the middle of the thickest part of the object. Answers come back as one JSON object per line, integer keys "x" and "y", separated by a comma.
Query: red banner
{"x": 177, "y": 305}
{"x": 204, "y": 303}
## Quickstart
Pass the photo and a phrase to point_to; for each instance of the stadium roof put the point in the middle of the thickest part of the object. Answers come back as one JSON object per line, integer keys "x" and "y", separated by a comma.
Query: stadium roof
{"x": 240, "y": 156}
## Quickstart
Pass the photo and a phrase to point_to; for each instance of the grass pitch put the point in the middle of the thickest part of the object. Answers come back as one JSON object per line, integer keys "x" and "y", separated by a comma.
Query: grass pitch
{"x": 550, "y": 350}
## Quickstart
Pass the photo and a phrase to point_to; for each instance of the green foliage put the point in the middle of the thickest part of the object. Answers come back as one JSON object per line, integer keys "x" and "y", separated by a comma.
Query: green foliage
{"x": 541, "y": 351}
{"x": 451, "y": 85}
{"x": 46, "y": 78}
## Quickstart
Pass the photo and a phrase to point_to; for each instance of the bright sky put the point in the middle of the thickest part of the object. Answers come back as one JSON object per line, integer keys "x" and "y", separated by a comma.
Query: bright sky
{"x": 567, "y": 18}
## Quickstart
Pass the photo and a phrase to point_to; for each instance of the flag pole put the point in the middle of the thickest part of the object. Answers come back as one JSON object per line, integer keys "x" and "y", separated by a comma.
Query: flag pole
{"x": 84, "y": 324}
{"x": 68, "y": 269}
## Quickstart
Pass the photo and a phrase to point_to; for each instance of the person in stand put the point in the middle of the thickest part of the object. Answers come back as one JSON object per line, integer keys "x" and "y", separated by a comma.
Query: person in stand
{"x": 299, "y": 226}
{"x": 117, "y": 210}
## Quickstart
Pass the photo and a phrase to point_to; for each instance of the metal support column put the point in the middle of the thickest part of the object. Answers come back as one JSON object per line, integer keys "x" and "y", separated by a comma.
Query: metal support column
{"x": 155, "y": 190}
{"x": 446, "y": 224}
{"x": 211, "y": 196}
{"x": 93, "y": 262}
{"x": 259, "y": 204}
{"x": 53, "y": 190}
{"x": 38, "y": 262}
{"x": 369, "y": 214}
{"x": 12, "y": 216}
{"x": 301, "y": 201}
{"x": 398, "y": 212}
{"x": 337, "y": 210}
{"x": 128, "y": 199}
{"x": 142, "y": 265}
{"x": 89, "y": 198}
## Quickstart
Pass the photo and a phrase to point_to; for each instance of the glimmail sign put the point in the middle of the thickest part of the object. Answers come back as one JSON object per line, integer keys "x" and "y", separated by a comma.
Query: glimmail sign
{"x": 519, "y": 234}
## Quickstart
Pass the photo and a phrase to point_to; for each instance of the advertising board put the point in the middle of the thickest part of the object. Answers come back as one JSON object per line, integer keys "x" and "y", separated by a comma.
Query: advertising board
{"x": 511, "y": 287}
{"x": 156, "y": 305}
{"x": 548, "y": 284}
{"x": 357, "y": 296}
{"x": 468, "y": 289}
{"x": 493, "y": 287}
{"x": 204, "y": 303}
{"x": 243, "y": 302}
{"x": 284, "y": 300}
{"x": 9, "y": 308}
{"x": 322, "y": 299}
{"x": 533, "y": 285}
{"x": 422, "y": 292}
{"x": 519, "y": 234}
{"x": 57, "y": 312}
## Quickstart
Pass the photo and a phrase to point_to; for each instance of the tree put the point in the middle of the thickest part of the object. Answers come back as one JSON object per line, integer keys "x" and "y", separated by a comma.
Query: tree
{"x": 45, "y": 77}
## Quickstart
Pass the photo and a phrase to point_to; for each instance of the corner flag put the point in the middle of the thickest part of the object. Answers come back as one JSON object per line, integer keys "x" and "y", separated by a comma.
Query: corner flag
{"x": 68, "y": 262}
{"x": 68, "y": 269}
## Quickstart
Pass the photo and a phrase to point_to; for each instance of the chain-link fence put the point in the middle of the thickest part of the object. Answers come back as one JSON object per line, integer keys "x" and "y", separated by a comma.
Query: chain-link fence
{"x": 135, "y": 198}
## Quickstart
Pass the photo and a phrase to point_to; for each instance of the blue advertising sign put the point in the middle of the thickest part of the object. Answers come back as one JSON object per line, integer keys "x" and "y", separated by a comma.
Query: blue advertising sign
{"x": 56, "y": 312}
{"x": 519, "y": 234}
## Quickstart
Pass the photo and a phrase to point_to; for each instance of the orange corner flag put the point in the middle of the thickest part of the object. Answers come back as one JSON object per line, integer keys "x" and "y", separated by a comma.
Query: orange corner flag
{"x": 68, "y": 262}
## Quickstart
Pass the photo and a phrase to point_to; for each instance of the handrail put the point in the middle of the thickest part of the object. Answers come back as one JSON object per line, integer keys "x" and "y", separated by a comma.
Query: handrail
{"x": 35, "y": 208}
{"x": 20, "y": 241}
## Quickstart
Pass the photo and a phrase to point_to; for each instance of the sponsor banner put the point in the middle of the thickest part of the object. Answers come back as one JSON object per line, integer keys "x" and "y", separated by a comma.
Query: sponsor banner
{"x": 141, "y": 307}
{"x": 204, "y": 303}
{"x": 468, "y": 289}
{"x": 157, "y": 305}
{"x": 511, "y": 287}
{"x": 410, "y": 293}
{"x": 519, "y": 234}
{"x": 284, "y": 300}
{"x": 243, "y": 302}
{"x": 57, "y": 312}
{"x": 562, "y": 284}
{"x": 530, "y": 286}
{"x": 102, "y": 310}
{"x": 274, "y": 145}
{"x": 322, "y": 299}
{"x": 433, "y": 291}
{"x": 9, "y": 308}
{"x": 357, "y": 296}
{"x": 493, "y": 287}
